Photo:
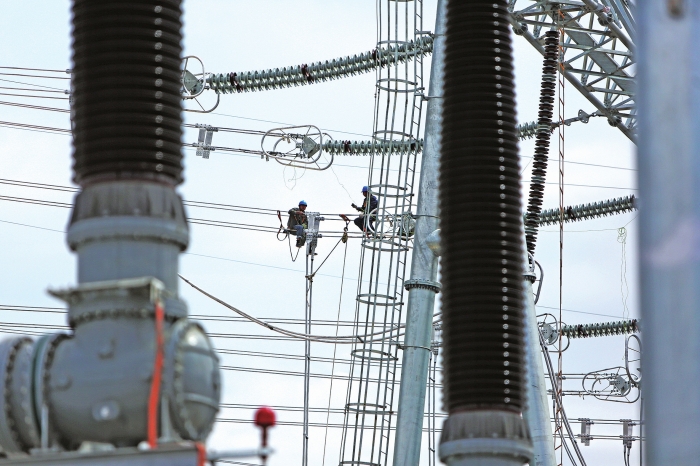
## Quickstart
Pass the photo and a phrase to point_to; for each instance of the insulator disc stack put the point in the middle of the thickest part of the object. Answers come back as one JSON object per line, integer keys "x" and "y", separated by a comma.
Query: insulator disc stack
{"x": 544, "y": 125}
{"x": 481, "y": 223}
{"x": 126, "y": 88}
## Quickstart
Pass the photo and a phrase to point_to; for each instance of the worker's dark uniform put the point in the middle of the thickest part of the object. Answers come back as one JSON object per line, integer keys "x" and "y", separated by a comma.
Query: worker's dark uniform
{"x": 360, "y": 221}
{"x": 297, "y": 221}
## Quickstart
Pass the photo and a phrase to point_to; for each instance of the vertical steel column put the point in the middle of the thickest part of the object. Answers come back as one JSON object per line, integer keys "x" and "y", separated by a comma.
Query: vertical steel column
{"x": 669, "y": 187}
{"x": 422, "y": 285}
{"x": 307, "y": 360}
{"x": 312, "y": 236}
{"x": 536, "y": 412}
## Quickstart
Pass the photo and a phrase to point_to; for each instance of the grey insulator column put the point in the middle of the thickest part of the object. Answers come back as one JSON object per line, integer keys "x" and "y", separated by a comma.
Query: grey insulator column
{"x": 669, "y": 221}
{"x": 482, "y": 243}
{"x": 536, "y": 412}
{"x": 422, "y": 285}
{"x": 128, "y": 228}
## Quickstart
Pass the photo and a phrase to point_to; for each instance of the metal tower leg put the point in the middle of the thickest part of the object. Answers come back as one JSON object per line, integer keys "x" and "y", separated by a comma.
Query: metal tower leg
{"x": 424, "y": 265}
{"x": 669, "y": 251}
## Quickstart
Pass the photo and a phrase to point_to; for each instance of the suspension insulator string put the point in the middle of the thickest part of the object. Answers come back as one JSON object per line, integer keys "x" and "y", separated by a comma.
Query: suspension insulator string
{"x": 544, "y": 131}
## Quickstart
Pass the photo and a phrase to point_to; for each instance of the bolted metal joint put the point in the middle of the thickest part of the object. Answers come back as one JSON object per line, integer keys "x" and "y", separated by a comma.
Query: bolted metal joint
{"x": 435, "y": 287}
{"x": 476, "y": 434}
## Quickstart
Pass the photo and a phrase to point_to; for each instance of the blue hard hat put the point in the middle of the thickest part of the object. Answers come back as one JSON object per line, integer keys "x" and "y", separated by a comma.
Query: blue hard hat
{"x": 365, "y": 189}
{"x": 302, "y": 202}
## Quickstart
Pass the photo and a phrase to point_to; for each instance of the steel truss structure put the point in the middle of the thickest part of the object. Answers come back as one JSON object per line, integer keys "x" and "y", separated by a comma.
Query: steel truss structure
{"x": 598, "y": 47}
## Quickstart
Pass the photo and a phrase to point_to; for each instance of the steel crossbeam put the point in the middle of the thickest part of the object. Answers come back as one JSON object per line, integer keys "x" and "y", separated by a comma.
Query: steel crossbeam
{"x": 598, "y": 49}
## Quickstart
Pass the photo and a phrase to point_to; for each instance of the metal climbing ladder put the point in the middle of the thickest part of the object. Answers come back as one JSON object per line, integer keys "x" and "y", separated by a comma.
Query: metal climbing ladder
{"x": 369, "y": 409}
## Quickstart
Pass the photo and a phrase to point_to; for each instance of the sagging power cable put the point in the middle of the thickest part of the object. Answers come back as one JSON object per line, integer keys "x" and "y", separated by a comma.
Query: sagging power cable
{"x": 343, "y": 339}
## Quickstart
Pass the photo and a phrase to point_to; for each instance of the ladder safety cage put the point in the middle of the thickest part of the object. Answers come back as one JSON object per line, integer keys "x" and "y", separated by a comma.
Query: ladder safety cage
{"x": 367, "y": 431}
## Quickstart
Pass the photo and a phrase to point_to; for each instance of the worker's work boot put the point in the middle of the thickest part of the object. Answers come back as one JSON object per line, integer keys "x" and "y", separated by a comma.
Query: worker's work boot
{"x": 300, "y": 241}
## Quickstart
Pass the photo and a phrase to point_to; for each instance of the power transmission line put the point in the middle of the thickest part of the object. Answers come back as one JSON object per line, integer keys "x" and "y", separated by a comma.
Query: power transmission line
{"x": 34, "y": 76}
{"x": 33, "y": 69}
{"x": 32, "y": 84}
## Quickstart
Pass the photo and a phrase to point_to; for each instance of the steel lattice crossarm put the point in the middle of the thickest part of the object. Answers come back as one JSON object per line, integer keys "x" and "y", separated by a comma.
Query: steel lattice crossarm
{"x": 598, "y": 50}
{"x": 372, "y": 147}
{"x": 620, "y": 205}
{"x": 299, "y": 75}
{"x": 604, "y": 329}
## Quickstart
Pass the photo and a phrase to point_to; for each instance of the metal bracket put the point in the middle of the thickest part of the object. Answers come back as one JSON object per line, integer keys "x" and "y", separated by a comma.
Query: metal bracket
{"x": 152, "y": 288}
{"x": 203, "y": 145}
{"x": 628, "y": 432}
{"x": 312, "y": 234}
{"x": 586, "y": 431}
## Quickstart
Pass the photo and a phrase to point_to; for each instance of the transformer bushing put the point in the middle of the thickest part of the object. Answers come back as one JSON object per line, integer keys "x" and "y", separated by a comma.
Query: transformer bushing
{"x": 482, "y": 244}
{"x": 94, "y": 384}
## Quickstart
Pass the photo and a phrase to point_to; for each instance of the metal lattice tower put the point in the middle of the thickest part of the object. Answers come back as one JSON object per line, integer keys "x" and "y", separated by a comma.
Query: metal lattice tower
{"x": 371, "y": 395}
{"x": 598, "y": 46}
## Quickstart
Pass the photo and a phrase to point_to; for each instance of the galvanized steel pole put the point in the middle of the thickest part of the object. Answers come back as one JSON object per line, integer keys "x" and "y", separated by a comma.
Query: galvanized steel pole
{"x": 536, "y": 412}
{"x": 669, "y": 186}
{"x": 422, "y": 285}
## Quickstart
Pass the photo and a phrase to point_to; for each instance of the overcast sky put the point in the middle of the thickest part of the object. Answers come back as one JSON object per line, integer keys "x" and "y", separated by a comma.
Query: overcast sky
{"x": 252, "y": 270}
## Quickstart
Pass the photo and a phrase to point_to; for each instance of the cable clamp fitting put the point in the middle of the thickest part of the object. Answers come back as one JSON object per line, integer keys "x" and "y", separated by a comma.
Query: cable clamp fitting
{"x": 424, "y": 284}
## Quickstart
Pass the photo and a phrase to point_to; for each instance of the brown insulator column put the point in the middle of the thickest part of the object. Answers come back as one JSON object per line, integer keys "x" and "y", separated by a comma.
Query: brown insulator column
{"x": 482, "y": 240}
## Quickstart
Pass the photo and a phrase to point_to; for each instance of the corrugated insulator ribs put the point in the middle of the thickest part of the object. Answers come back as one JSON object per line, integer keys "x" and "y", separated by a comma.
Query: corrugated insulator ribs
{"x": 277, "y": 78}
{"x": 373, "y": 147}
{"x": 127, "y": 95}
{"x": 544, "y": 123}
{"x": 575, "y": 213}
{"x": 526, "y": 130}
{"x": 481, "y": 214}
{"x": 604, "y": 329}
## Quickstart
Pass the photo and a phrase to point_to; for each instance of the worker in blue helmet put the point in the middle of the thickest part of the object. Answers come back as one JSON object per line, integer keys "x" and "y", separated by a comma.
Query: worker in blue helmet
{"x": 298, "y": 222}
{"x": 365, "y": 221}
